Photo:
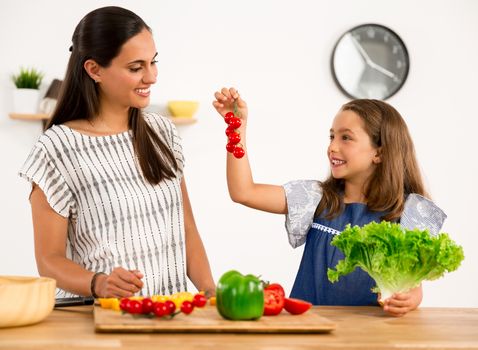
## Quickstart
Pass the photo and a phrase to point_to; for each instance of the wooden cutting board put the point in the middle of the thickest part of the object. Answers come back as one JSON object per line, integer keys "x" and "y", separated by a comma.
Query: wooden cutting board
{"x": 208, "y": 320}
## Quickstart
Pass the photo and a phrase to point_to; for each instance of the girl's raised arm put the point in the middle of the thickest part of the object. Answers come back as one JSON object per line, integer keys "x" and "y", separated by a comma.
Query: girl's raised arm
{"x": 242, "y": 189}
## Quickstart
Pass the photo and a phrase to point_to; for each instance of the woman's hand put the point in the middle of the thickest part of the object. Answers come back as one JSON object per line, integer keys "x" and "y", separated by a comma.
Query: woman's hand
{"x": 120, "y": 283}
{"x": 225, "y": 102}
{"x": 399, "y": 304}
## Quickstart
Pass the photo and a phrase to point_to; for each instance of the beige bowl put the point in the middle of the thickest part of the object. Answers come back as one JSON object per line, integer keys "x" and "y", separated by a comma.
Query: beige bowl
{"x": 183, "y": 108}
{"x": 25, "y": 300}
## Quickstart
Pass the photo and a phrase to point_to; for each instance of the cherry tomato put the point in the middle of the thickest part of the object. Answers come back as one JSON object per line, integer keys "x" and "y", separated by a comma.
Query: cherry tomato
{"x": 273, "y": 303}
{"x": 229, "y": 130}
{"x": 170, "y": 305}
{"x": 160, "y": 309}
{"x": 238, "y": 152}
{"x": 187, "y": 307}
{"x": 234, "y": 137}
{"x": 296, "y": 306}
{"x": 235, "y": 122}
{"x": 228, "y": 116}
{"x": 230, "y": 147}
{"x": 199, "y": 300}
{"x": 147, "y": 305}
{"x": 135, "y": 307}
{"x": 124, "y": 304}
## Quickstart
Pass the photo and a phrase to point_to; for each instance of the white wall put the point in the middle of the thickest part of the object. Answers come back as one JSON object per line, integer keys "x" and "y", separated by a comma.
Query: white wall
{"x": 277, "y": 53}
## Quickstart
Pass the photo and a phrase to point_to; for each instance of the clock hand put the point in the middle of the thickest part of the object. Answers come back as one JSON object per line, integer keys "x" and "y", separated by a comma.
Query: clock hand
{"x": 361, "y": 50}
{"x": 382, "y": 70}
{"x": 369, "y": 61}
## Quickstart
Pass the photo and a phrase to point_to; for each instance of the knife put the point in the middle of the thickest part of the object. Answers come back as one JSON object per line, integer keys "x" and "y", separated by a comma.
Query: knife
{"x": 62, "y": 302}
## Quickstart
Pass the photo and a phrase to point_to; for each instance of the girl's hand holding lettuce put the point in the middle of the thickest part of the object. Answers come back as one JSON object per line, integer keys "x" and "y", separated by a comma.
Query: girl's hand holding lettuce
{"x": 397, "y": 259}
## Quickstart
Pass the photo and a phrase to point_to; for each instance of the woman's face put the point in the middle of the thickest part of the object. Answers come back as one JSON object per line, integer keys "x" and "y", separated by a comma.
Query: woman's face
{"x": 126, "y": 82}
{"x": 351, "y": 154}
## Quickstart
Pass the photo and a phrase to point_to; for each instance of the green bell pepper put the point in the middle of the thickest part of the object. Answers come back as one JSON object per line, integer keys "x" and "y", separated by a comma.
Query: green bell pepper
{"x": 239, "y": 297}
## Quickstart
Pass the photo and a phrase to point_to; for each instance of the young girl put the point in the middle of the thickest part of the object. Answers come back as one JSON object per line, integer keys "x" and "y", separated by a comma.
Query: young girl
{"x": 374, "y": 176}
{"x": 111, "y": 212}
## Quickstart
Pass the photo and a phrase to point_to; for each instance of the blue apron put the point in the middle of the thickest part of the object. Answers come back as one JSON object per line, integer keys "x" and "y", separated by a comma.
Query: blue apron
{"x": 312, "y": 284}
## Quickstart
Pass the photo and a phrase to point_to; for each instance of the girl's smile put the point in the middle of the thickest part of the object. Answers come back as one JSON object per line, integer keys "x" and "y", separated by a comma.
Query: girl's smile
{"x": 335, "y": 162}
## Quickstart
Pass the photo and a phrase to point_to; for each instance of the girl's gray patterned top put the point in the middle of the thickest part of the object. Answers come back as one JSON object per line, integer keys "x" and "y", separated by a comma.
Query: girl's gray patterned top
{"x": 303, "y": 197}
{"x": 115, "y": 216}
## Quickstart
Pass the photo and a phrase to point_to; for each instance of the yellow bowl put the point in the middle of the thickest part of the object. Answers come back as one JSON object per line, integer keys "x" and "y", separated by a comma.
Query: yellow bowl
{"x": 25, "y": 300}
{"x": 183, "y": 108}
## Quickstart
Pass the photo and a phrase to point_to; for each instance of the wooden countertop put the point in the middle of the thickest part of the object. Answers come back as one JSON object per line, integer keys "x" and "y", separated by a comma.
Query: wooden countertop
{"x": 357, "y": 328}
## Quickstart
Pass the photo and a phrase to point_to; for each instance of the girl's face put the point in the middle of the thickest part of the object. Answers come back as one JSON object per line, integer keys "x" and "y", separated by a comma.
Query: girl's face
{"x": 126, "y": 82}
{"x": 351, "y": 153}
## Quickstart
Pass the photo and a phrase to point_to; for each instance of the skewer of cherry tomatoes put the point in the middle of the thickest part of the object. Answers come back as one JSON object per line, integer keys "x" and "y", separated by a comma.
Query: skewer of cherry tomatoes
{"x": 233, "y": 146}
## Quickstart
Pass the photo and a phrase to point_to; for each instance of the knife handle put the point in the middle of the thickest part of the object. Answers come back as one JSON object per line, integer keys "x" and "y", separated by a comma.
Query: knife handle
{"x": 75, "y": 301}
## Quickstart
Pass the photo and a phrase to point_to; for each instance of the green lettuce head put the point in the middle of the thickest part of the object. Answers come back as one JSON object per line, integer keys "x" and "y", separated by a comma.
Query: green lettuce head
{"x": 396, "y": 258}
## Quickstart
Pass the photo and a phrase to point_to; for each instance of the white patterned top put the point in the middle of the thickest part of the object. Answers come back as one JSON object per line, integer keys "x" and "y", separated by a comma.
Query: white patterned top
{"x": 115, "y": 216}
{"x": 303, "y": 197}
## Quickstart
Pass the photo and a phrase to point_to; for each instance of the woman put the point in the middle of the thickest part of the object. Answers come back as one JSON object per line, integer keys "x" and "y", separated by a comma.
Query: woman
{"x": 111, "y": 212}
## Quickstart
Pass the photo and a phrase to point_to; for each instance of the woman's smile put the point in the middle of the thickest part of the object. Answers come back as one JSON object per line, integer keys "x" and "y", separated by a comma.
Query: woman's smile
{"x": 144, "y": 92}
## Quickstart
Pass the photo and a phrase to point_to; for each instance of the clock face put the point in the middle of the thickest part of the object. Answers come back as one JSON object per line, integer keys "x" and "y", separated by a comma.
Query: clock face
{"x": 370, "y": 61}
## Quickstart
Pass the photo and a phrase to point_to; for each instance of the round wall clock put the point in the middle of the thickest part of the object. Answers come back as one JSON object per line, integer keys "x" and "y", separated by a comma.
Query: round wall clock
{"x": 370, "y": 61}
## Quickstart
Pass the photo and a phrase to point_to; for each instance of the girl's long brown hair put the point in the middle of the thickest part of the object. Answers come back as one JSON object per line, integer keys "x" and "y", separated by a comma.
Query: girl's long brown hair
{"x": 100, "y": 36}
{"x": 397, "y": 174}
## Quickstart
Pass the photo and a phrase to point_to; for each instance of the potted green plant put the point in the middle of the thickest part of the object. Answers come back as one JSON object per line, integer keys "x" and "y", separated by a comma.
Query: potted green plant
{"x": 27, "y": 93}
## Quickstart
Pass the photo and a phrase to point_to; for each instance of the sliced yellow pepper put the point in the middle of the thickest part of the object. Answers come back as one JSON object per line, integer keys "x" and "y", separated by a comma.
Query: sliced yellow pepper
{"x": 115, "y": 304}
{"x": 106, "y": 303}
{"x": 160, "y": 298}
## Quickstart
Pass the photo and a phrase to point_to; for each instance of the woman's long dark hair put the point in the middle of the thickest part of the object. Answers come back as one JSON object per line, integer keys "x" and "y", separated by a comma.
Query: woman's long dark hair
{"x": 398, "y": 173}
{"x": 99, "y": 36}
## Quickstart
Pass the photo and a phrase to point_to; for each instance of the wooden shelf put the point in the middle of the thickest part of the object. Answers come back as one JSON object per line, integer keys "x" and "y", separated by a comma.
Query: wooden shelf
{"x": 29, "y": 116}
{"x": 182, "y": 120}
{"x": 45, "y": 117}
{"x": 39, "y": 116}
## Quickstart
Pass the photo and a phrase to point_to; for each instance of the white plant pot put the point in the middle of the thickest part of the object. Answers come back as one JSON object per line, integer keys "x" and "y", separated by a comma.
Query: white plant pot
{"x": 25, "y": 101}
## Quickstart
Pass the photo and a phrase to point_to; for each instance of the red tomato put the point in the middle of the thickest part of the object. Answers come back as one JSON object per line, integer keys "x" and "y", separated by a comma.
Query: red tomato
{"x": 276, "y": 287}
{"x": 230, "y": 147}
{"x": 124, "y": 304}
{"x": 228, "y": 116}
{"x": 199, "y": 300}
{"x": 235, "y": 122}
{"x": 296, "y": 306}
{"x": 135, "y": 307}
{"x": 229, "y": 130}
{"x": 234, "y": 137}
{"x": 160, "y": 309}
{"x": 187, "y": 307}
{"x": 171, "y": 306}
{"x": 273, "y": 303}
{"x": 147, "y": 306}
{"x": 238, "y": 152}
